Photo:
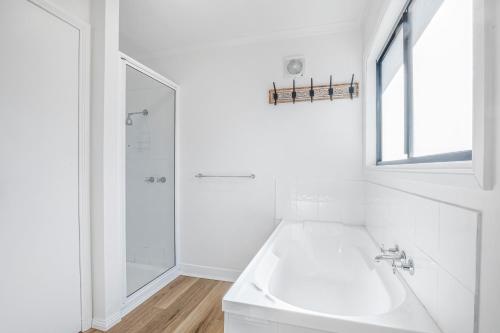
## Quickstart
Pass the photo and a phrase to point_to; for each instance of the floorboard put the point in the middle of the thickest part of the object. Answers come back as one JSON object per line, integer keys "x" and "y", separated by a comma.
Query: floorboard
{"x": 185, "y": 305}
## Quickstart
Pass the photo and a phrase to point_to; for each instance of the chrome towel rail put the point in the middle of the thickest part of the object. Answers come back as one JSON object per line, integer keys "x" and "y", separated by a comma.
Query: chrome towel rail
{"x": 200, "y": 175}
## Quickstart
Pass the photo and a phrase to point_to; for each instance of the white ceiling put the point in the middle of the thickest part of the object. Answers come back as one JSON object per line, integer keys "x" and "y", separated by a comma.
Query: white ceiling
{"x": 157, "y": 26}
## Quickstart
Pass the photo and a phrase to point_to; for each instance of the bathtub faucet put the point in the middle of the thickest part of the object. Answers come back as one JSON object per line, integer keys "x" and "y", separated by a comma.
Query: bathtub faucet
{"x": 391, "y": 254}
{"x": 397, "y": 258}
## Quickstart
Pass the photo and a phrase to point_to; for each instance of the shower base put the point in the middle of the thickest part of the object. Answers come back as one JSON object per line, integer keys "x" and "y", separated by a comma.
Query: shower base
{"x": 139, "y": 275}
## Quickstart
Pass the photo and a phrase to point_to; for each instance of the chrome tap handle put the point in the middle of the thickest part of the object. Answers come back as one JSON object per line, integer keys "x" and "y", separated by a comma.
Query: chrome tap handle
{"x": 394, "y": 249}
{"x": 400, "y": 255}
{"x": 161, "y": 180}
{"x": 149, "y": 179}
{"x": 405, "y": 265}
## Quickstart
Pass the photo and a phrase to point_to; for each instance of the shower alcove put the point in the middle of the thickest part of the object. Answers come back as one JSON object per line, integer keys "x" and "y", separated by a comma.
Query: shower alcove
{"x": 149, "y": 168}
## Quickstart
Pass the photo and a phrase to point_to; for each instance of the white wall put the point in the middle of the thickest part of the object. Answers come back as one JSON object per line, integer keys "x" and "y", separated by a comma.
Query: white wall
{"x": 108, "y": 258}
{"x": 228, "y": 127}
{"x": 462, "y": 190}
{"x": 78, "y": 8}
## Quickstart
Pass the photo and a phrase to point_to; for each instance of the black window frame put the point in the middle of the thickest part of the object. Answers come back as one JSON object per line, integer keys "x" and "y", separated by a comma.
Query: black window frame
{"x": 404, "y": 24}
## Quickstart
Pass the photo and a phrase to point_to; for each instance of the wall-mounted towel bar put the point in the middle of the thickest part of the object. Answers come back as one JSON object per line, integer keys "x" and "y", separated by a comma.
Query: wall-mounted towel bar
{"x": 200, "y": 175}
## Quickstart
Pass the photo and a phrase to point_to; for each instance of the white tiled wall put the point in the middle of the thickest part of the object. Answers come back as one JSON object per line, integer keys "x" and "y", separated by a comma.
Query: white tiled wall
{"x": 443, "y": 241}
{"x": 320, "y": 200}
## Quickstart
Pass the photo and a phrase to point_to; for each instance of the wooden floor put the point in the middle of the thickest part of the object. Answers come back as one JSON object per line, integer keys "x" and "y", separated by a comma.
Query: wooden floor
{"x": 185, "y": 305}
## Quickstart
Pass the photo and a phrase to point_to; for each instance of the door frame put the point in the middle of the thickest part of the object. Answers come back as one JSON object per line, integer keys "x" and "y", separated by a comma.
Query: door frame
{"x": 83, "y": 29}
{"x": 137, "y": 298}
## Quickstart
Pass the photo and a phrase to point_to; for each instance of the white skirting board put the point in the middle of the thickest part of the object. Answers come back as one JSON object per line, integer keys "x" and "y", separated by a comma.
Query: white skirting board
{"x": 207, "y": 272}
{"x": 104, "y": 324}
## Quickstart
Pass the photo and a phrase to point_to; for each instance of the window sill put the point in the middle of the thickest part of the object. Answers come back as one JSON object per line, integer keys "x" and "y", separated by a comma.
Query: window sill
{"x": 461, "y": 168}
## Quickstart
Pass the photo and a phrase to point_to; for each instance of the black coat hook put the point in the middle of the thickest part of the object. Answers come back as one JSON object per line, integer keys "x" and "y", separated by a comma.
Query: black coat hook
{"x": 294, "y": 93}
{"x": 311, "y": 91}
{"x": 351, "y": 88}
{"x": 275, "y": 95}
{"x": 330, "y": 90}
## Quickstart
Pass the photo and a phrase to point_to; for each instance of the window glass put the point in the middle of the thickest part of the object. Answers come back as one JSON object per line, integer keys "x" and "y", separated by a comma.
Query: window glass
{"x": 392, "y": 100}
{"x": 425, "y": 85}
{"x": 442, "y": 76}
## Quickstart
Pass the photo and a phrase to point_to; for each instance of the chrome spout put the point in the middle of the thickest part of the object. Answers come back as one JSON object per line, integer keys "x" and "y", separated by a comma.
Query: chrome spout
{"x": 381, "y": 257}
{"x": 393, "y": 256}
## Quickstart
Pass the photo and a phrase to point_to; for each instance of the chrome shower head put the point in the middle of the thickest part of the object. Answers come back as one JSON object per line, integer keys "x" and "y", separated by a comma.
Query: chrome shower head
{"x": 129, "y": 121}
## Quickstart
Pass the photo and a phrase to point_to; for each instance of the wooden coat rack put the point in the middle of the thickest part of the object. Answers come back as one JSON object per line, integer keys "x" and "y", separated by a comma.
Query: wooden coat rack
{"x": 314, "y": 93}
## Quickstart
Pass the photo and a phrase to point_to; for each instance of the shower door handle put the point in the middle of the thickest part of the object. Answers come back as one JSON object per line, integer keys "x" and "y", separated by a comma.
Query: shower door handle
{"x": 149, "y": 179}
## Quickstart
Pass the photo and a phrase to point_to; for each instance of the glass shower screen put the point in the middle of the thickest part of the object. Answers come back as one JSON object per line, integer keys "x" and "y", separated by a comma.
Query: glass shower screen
{"x": 150, "y": 176}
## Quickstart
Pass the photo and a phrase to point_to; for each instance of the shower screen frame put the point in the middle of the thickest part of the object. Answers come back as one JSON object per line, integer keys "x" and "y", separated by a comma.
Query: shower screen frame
{"x": 132, "y": 301}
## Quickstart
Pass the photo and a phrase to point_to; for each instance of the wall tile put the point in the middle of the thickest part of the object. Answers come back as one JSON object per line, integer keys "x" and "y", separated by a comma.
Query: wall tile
{"x": 307, "y": 210}
{"x": 455, "y": 313}
{"x": 352, "y": 213}
{"x": 403, "y": 219}
{"x": 329, "y": 211}
{"x": 425, "y": 281}
{"x": 457, "y": 243}
{"x": 442, "y": 240}
{"x": 307, "y": 190}
{"x": 320, "y": 199}
{"x": 427, "y": 226}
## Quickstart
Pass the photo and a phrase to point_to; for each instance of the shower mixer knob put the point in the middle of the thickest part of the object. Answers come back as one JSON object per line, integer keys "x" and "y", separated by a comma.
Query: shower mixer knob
{"x": 149, "y": 179}
{"x": 161, "y": 180}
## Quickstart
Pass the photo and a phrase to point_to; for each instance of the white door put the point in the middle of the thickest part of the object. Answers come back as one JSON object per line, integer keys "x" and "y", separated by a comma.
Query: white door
{"x": 39, "y": 225}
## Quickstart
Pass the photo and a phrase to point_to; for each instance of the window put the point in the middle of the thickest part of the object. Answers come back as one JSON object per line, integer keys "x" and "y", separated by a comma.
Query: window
{"x": 424, "y": 85}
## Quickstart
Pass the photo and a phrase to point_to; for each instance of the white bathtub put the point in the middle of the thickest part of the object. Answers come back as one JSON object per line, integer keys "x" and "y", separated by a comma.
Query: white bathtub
{"x": 313, "y": 277}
